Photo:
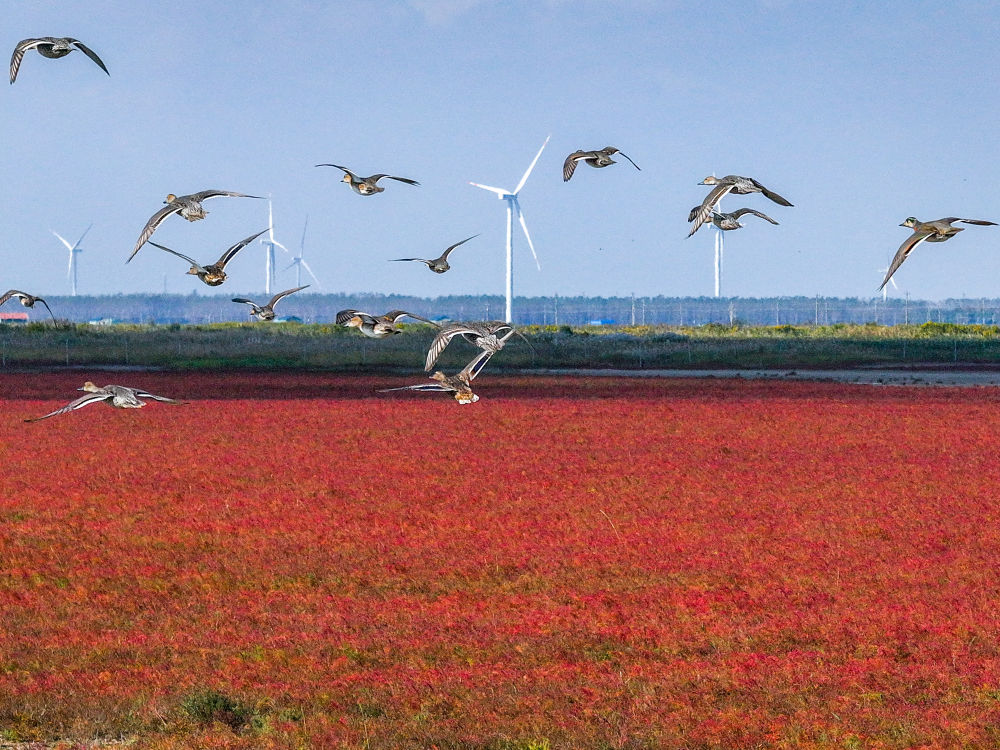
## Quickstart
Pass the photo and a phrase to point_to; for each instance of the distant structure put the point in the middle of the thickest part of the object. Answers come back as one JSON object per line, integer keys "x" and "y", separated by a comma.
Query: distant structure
{"x": 74, "y": 250}
{"x": 270, "y": 243}
{"x": 514, "y": 207}
{"x": 299, "y": 262}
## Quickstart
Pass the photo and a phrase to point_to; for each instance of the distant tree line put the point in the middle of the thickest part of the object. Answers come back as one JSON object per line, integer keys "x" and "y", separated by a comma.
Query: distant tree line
{"x": 555, "y": 310}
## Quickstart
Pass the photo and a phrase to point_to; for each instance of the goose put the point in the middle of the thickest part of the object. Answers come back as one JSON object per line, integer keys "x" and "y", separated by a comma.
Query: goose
{"x": 266, "y": 312}
{"x": 722, "y": 186}
{"x": 460, "y": 385}
{"x": 366, "y": 185}
{"x": 932, "y": 231}
{"x": 488, "y": 336}
{"x": 214, "y": 273}
{"x": 188, "y": 206}
{"x": 730, "y": 221}
{"x": 28, "y": 300}
{"x": 52, "y": 47}
{"x": 118, "y": 396}
{"x": 439, "y": 264}
{"x": 375, "y": 326}
{"x": 598, "y": 159}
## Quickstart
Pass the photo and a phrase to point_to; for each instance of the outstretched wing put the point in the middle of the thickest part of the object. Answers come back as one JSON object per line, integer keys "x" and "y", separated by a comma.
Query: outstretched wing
{"x": 345, "y": 315}
{"x": 146, "y": 394}
{"x": 8, "y": 295}
{"x": 444, "y": 337}
{"x": 89, "y": 53}
{"x": 206, "y": 194}
{"x": 569, "y": 166}
{"x": 420, "y": 260}
{"x": 393, "y": 315}
{"x": 742, "y": 211}
{"x": 446, "y": 253}
{"x": 154, "y": 221}
{"x": 231, "y": 252}
{"x": 979, "y": 222}
{"x": 904, "y": 251}
{"x": 771, "y": 194}
{"x": 472, "y": 369}
{"x": 90, "y": 398}
{"x": 620, "y": 153}
{"x": 421, "y": 387}
{"x": 345, "y": 170}
{"x": 704, "y": 211}
{"x": 280, "y": 295}
{"x": 377, "y": 177}
{"x": 192, "y": 261}
{"x": 39, "y": 299}
{"x": 15, "y": 60}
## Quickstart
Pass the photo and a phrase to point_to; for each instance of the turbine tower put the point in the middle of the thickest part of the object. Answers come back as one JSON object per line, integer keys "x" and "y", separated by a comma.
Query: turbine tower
{"x": 299, "y": 262}
{"x": 718, "y": 260}
{"x": 514, "y": 207}
{"x": 270, "y": 243}
{"x": 74, "y": 250}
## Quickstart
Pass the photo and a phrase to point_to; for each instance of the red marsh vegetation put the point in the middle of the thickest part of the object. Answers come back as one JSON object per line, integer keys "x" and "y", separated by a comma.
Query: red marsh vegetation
{"x": 296, "y": 560}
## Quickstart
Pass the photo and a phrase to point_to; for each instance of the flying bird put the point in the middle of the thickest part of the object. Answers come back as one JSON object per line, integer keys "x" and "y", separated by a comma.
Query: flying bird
{"x": 722, "y": 186}
{"x": 375, "y": 326}
{"x": 266, "y": 312}
{"x": 460, "y": 385}
{"x": 188, "y": 206}
{"x": 366, "y": 185}
{"x": 52, "y": 47}
{"x": 730, "y": 221}
{"x": 214, "y": 273}
{"x": 932, "y": 231}
{"x": 118, "y": 396}
{"x": 439, "y": 264}
{"x": 488, "y": 336}
{"x": 598, "y": 159}
{"x": 28, "y": 300}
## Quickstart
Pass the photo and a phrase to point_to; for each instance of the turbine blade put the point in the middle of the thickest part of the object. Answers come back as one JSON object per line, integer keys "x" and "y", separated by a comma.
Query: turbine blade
{"x": 315, "y": 278}
{"x": 302, "y": 243}
{"x": 62, "y": 239}
{"x": 83, "y": 235}
{"x": 69, "y": 270}
{"x": 290, "y": 265}
{"x": 275, "y": 243}
{"x": 530, "y": 167}
{"x": 499, "y": 191}
{"x": 270, "y": 220}
{"x": 520, "y": 218}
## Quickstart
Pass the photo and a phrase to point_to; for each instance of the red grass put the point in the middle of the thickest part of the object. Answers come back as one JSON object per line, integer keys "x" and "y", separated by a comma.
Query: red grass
{"x": 598, "y": 563}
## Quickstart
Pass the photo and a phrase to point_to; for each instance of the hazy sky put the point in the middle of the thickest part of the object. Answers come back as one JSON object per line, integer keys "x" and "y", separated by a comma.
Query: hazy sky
{"x": 859, "y": 113}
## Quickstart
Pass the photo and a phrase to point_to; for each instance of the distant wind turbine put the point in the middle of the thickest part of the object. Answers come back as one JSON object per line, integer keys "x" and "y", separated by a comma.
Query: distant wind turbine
{"x": 299, "y": 262}
{"x": 270, "y": 243}
{"x": 514, "y": 207}
{"x": 885, "y": 287}
{"x": 74, "y": 250}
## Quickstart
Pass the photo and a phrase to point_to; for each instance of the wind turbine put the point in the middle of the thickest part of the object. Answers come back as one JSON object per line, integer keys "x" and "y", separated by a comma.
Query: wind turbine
{"x": 270, "y": 243}
{"x": 299, "y": 262}
{"x": 885, "y": 289}
{"x": 514, "y": 207}
{"x": 74, "y": 250}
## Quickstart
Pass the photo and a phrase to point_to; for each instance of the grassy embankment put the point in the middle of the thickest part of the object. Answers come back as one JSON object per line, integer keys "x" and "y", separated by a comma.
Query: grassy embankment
{"x": 334, "y": 348}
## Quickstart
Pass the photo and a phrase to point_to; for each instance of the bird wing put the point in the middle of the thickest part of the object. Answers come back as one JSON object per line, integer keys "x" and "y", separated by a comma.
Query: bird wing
{"x": 89, "y": 53}
{"x": 192, "y": 261}
{"x": 90, "y": 398}
{"x": 345, "y": 315}
{"x": 446, "y": 253}
{"x": 154, "y": 221}
{"x": 629, "y": 158}
{"x": 472, "y": 369}
{"x": 444, "y": 337}
{"x": 206, "y": 194}
{"x": 742, "y": 211}
{"x": 421, "y": 387}
{"x": 770, "y": 193}
{"x": 254, "y": 305}
{"x": 15, "y": 59}
{"x": 345, "y": 170}
{"x": 393, "y": 315}
{"x": 139, "y": 393}
{"x": 979, "y": 222}
{"x": 705, "y": 209}
{"x": 569, "y": 166}
{"x": 904, "y": 251}
{"x": 421, "y": 260}
{"x": 231, "y": 252}
{"x": 8, "y": 295}
{"x": 39, "y": 299}
{"x": 280, "y": 295}
{"x": 376, "y": 177}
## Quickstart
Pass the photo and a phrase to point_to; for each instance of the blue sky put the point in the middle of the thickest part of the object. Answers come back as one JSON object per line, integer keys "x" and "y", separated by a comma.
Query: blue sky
{"x": 859, "y": 113}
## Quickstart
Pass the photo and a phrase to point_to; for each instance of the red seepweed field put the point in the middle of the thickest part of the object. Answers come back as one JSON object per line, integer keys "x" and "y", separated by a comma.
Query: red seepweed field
{"x": 298, "y": 561}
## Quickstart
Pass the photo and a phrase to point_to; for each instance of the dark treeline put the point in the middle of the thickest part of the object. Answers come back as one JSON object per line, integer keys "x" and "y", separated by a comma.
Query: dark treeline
{"x": 675, "y": 311}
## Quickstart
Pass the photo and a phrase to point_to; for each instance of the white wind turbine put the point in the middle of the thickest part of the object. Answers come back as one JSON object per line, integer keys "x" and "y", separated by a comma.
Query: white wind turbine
{"x": 74, "y": 250}
{"x": 270, "y": 243}
{"x": 299, "y": 262}
{"x": 514, "y": 207}
{"x": 885, "y": 288}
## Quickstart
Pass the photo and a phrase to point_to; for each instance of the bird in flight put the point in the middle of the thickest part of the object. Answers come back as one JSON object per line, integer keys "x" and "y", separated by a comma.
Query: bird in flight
{"x": 266, "y": 312}
{"x": 375, "y": 326}
{"x": 118, "y": 396}
{"x": 439, "y": 264}
{"x": 214, "y": 273}
{"x": 722, "y": 186}
{"x": 52, "y": 47}
{"x": 597, "y": 159}
{"x": 932, "y": 231}
{"x": 28, "y": 300}
{"x": 366, "y": 185}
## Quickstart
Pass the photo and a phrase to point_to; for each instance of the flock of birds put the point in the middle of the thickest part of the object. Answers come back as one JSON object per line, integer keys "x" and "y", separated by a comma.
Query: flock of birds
{"x": 489, "y": 337}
